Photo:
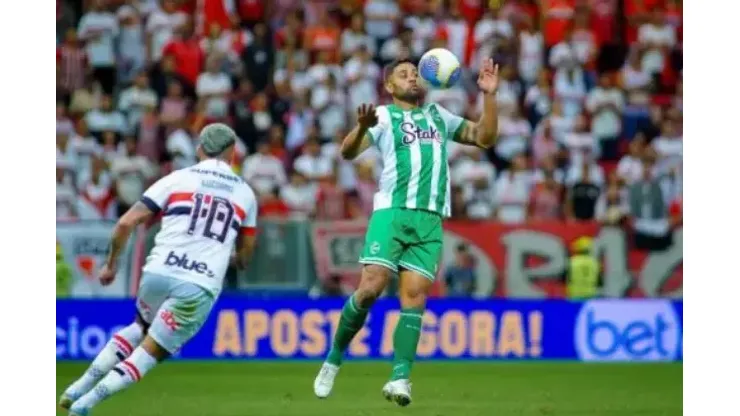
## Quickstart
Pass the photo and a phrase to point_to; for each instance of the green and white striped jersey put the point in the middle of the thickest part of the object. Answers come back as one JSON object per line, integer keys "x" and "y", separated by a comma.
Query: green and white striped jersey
{"x": 413, "y": 145}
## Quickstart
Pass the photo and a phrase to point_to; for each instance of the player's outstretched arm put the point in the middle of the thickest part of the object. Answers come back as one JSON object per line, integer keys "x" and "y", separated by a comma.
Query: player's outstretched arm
{"x": 126, "y": 224}
{"x": 356, "y": 141}
{"x": 485, "y": 131}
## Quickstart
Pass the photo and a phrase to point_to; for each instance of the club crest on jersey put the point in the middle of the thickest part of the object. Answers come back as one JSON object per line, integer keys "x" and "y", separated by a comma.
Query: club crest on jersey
{"x": 412, "y": 132}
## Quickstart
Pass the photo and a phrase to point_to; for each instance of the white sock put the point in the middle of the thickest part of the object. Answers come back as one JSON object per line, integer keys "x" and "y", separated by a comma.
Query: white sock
{"x": 118, "y": 348}
{"x": 126, "y": 373}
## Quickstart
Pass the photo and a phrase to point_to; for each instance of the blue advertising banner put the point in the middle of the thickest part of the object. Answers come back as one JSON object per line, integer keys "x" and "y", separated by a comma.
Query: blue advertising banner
{"x": 301, "y": 328}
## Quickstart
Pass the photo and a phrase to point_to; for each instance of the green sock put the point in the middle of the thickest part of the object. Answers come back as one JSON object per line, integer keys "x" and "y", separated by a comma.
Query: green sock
{"x": 405, "y": 340}
{"x": 350, "y": 323}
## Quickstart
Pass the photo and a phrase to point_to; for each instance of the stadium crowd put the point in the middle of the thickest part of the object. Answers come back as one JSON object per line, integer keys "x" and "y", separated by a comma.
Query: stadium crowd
{"x": 590, "y": 101}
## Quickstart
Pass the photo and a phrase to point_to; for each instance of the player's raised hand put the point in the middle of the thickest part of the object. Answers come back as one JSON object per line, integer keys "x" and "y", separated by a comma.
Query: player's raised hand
{"x": 366, "y": 116}
{"x": 488, "y": 77}
{"x": 107, "y": 275}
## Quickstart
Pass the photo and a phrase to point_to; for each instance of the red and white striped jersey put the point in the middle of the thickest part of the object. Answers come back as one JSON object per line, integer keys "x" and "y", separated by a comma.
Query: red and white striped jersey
{"x": 204, "y": 207}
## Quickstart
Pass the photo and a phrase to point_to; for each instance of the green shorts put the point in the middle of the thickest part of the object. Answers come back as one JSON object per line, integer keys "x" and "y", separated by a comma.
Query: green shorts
{"x": 404, "y": 238}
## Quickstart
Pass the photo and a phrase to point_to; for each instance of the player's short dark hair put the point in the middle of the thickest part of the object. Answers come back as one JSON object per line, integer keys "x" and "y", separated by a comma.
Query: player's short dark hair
{"x": 392, "y": 66}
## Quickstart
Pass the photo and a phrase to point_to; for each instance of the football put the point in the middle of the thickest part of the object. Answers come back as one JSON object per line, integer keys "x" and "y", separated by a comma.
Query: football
{"x": 440, "y": 68}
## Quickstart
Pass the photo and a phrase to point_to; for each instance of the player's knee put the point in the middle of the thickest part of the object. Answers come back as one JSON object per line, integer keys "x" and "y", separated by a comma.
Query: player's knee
{"x": 373, "y": 282}
{"x": 413, "y": 297}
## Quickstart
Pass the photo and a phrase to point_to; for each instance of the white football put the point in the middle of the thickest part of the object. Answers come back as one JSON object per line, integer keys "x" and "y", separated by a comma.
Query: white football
{"x": 440, "y": 68}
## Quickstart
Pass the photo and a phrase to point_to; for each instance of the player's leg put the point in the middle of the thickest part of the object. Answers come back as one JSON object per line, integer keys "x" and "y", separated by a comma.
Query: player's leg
{"x": 418, "y": 267}
{"x": 379, "y": 256}
{"x": 177, "y": 320}
{"x": 116, "y": 350}
{"x": 152, "y": 292}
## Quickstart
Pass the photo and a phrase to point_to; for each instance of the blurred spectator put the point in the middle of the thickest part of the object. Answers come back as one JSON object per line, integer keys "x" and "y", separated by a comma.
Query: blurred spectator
{"x": 669, "y": 147}
{"x": 290, "y": 50}
{"x": 354, "y": 37}
{"x": 362, "y": 76}
{"x": 605, "y": 103}
{"x": 570, "y": 88}
{"x": 221, "y": 43}
{"x": 323, "y": 68}
{"x": 312, "y": 164}
{"x": 401, "y": 47}
{"x": 630, "y": 168}
{"x": 63, "y": 121}
{"x": 330, "y": 287}
{"x": 130, "y": 45}
{"x": 280, "y": 104}
{"x": 583, "y": 41}
{"x": 454, "y": 31}
{"x": 132, "y": 173}
{"x": 84, "y": 145}
{"x": 546, "y": 199}
{"x": 259, "y": 58}
{"x": 611, "y": 207}
{"x": 164, "y": 74}
{"x": 581, "y": 142}
{"x": 512, "y": 192}
{"x": 634, "y": 76}
{"x": 97, "y": 195}
{"x": 423, "y": 24}
{"x": 381, "y": 17}
{"x": 547, "y": 167}
{"x": 150, "y": 145}
{"x": 300, "y": 121}
{"x": 538, "y": 99}
{"x": 455, "y": 99}
{"x": 557, "y": 15}
{"x": 263, "y": 171}
{"x": 330, "y": 200}
{"x": 213, "y": 88}
{"x": 544, "y": 146}
{"x": 558, "y": 123}
{"x": 72, "y": 64}
{"x": 109, "y": 148}
{"x": 294, "y": 76}
{"x": 251, "y": 11}
{"x": 188, "y": 56}
{"x": 649, "y": 211}
{"x": 300, "y": 196}
{"x": 66, "y": 154}
{"x": 98, "y": 28}
{"x": 531, "y": 55}
{"x": 656, "y": 37}
{"x": 514, "y": 132}
{"x": 85, "y": 98}
{"x": 585, "y": 163}
{"x": 137, "y": 99}
{"x": 175, "y": 107}
{"x": 180, "y": 146}
{"x": 651, "y": 126}
{"x": 221, "y": 12}
{"x": 457, "y": 203}
{"x": 460, "y": 275}
{"x": 488, "y": 34}
{"x": 583, "y": 192}
{"x": 271, "y": 206}
{"x": 161, "y": 26}
{"x": 323, "y": 37}
{"x": 476, "y": 176}
{"x": 328, "y": 103}
{"x": 106, "y": 118}
{"x": 66, "y": 195}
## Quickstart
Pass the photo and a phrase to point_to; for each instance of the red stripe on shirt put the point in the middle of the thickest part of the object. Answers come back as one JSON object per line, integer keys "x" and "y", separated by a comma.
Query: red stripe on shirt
{"x": 249, "y": 231}
{"x": 239, "y": 212}
{"x": 179, "y": 197}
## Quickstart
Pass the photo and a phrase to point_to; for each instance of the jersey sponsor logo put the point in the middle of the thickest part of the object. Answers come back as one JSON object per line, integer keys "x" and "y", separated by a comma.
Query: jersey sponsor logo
{"x": 412, "y": 132}
{"x": 613, "y": 330}
{"x": 183, "y": 262}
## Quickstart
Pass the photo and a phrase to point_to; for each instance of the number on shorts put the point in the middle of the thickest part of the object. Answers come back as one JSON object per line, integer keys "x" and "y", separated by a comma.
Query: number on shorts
{"x": 218, "y": 213}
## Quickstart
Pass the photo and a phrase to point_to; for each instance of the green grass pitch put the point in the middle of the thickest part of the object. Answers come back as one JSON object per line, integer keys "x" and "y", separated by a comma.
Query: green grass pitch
{"x": 439, "y": 389}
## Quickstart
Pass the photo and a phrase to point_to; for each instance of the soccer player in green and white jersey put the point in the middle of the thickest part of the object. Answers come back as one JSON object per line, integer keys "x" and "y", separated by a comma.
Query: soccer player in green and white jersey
{"x": 405, "y": 234}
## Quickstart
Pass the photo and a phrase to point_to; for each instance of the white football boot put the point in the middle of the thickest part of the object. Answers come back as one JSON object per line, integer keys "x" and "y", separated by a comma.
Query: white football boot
{"x": 324, "y": 381}
{"x": 398, "y": 391}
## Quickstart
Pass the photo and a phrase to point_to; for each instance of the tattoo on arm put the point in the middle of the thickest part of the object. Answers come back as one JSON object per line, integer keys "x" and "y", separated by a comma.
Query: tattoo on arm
{"x": 469, "y": 134}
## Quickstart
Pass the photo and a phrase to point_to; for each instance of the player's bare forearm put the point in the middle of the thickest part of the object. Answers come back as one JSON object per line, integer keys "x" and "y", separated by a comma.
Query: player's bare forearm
{"x": 488, "y": 124}
{"x": 354, "y": 142}
{"x": 244, "y": 251}
{"x": 133, "y": 217}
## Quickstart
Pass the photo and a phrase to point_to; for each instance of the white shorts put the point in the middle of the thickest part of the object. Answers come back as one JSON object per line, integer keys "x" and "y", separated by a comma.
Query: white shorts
{"x": 174, "y": 309}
